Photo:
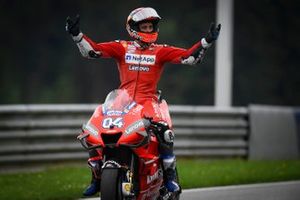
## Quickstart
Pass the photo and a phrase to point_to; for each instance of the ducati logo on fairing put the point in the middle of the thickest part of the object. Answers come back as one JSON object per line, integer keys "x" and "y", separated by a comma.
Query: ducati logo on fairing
{"x": 140, "y": 59}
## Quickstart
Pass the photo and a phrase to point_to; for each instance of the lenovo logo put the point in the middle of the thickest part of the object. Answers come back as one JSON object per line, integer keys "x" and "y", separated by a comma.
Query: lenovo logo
{"x": 139, "y": 68}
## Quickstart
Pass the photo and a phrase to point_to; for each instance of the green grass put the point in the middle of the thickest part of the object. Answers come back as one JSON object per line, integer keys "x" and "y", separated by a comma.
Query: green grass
{"x": 206, "y": 173}
{"x": 55, "y": 183}
{"x": 68, "y": 182}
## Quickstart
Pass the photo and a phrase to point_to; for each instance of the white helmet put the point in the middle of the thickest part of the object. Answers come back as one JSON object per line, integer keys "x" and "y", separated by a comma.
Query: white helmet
{"x": 143, "y": 15}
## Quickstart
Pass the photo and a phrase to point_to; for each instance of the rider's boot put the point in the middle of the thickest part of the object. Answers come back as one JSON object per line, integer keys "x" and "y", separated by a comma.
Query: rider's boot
{"x": 94, "y": 187}
{"x": 170, "y": 176}
{"x": 166, "y": 143}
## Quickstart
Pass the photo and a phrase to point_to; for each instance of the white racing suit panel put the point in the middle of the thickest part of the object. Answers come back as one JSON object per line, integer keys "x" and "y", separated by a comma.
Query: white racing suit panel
{"x": 85, "y": 48}
{"x": 198, "y": 55}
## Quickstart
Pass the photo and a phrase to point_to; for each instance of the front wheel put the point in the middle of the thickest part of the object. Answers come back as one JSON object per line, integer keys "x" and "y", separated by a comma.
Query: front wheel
{"x": 111, "y": 184}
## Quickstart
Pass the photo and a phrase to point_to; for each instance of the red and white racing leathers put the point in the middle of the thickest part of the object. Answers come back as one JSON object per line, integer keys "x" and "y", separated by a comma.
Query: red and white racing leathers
{"x": 139, "y": 69}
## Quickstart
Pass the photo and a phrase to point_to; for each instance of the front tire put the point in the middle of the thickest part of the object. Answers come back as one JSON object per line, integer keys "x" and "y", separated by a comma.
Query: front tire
{"x": 111, "y": 184}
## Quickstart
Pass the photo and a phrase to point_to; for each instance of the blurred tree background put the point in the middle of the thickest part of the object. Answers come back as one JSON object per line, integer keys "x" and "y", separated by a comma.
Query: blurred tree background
{"x": 41, "y": 64}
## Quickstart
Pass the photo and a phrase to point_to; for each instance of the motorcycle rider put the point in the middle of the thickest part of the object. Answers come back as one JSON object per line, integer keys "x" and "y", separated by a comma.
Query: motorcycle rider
{"x": 140, "y": 63}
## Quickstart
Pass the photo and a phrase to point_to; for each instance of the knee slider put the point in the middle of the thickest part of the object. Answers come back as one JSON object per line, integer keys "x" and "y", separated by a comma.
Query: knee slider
{"x": 165, "y": 133}
{"x": 166, "y": 142}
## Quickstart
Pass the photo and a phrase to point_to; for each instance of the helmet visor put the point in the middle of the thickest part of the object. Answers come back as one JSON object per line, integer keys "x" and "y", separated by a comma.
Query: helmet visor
{"x": 141, "y": 14}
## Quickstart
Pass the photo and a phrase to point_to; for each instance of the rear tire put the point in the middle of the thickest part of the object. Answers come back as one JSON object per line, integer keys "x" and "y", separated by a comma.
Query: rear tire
{"x": 110, "y": 184}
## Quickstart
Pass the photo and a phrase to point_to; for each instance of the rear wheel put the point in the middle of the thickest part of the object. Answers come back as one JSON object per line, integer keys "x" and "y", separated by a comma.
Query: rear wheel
{"x": 111, "y": 184}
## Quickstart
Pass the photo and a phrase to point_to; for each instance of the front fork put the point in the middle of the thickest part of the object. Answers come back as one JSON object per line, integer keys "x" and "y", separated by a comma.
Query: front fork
{"x": 127, "y": 185}
{"x": 126, "y": 173}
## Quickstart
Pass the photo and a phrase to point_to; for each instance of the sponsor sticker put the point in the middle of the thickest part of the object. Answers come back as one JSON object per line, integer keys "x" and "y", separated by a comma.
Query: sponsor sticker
{"x": 92, "y": 129}
{"x": 114, "y": 113}
{"x": 135, "y": 126}
{"x": 139, "y": 68}
{"x": 131, "y": 49}
{"x": 137, "y": 109}
{"x": 130, "y": 106}
{"x": 140, "y": 59}
{"x": 156, "y": 175}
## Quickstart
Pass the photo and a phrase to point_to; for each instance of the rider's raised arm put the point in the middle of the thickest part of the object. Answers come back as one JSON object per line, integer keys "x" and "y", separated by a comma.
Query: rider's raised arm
{"x": 193, "y": 55}
{"x": 177, "y": 55}
{"x": 89, "y": 48}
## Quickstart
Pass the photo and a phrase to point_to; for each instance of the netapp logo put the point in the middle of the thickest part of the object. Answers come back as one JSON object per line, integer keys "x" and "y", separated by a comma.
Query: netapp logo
{"x": 139, "y": 59}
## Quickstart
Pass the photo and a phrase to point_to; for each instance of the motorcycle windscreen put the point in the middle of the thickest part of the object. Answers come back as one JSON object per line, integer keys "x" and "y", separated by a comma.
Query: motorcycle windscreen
{"x": 117, "y": 102}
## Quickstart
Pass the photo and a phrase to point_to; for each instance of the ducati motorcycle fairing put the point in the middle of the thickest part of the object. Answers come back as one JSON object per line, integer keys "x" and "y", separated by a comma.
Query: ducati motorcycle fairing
{"x": 131, "y": 167}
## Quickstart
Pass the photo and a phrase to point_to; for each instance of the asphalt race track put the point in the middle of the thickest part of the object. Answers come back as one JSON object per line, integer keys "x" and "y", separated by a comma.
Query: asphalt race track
{"x": 270, "y": 191}
{"x": 267, "y": 191}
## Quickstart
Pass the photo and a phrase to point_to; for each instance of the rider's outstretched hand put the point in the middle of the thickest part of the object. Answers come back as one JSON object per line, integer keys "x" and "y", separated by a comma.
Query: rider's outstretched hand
{"x": 213, "y": 33}
{"x": 72, "y": 26}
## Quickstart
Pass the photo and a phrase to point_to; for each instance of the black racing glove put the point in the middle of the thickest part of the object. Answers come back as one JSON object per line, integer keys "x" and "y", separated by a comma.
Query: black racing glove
{"x": 213, "y": 33}
{"x": 72, "y": 26}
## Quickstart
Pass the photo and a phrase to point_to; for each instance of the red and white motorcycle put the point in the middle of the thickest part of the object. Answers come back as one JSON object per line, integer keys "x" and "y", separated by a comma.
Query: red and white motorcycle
{"x": 132, "y": 168}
